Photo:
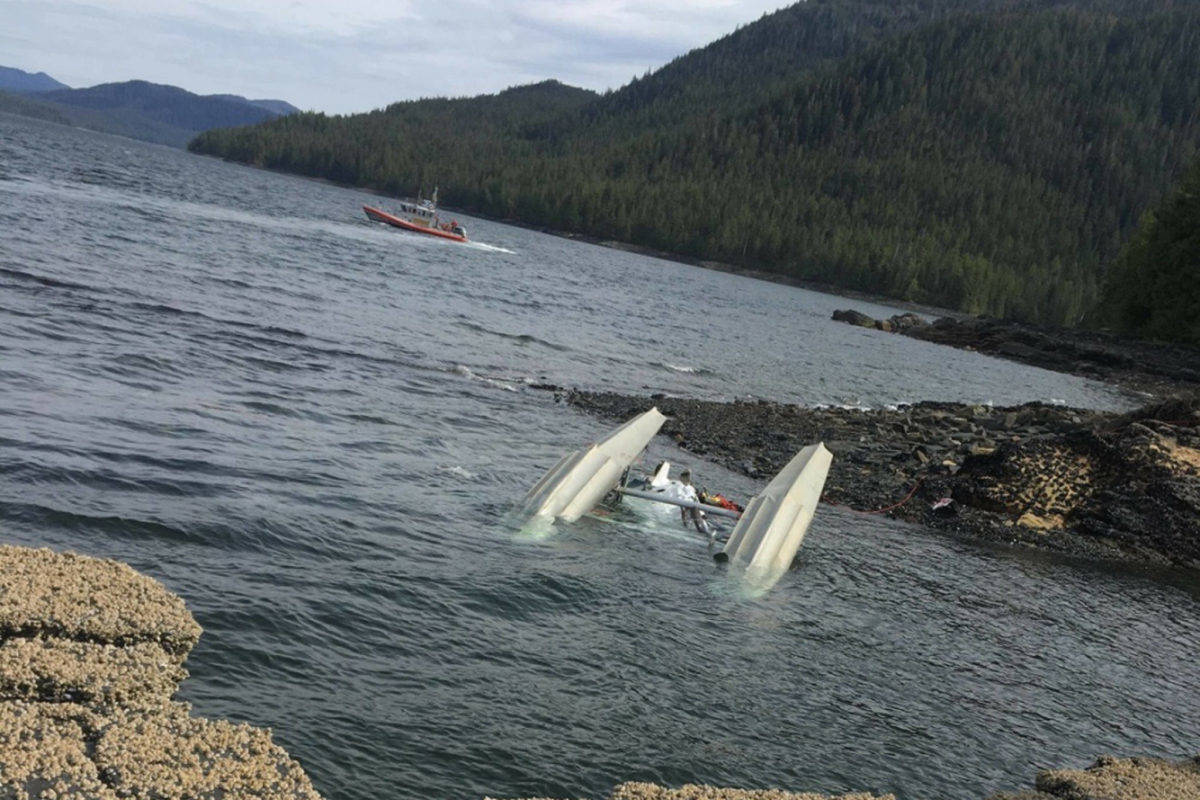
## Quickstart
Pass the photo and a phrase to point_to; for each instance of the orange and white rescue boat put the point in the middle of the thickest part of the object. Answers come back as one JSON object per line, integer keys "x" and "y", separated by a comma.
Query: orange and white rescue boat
{"x": 419, "y": 216}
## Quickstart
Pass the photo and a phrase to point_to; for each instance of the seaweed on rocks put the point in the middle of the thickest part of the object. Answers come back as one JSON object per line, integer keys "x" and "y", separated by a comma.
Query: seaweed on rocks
{"x": 44, "y": 752}
{"x": 63, "y": 670}
{"x": 165, "y": 752}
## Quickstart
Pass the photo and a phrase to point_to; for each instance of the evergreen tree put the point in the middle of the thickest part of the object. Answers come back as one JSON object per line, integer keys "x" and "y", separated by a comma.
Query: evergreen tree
{"x": 1154, "y": 288}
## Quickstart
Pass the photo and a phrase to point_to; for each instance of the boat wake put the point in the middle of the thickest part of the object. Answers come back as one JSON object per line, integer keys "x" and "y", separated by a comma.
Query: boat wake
{"x": 157, "y": 208}
{"x": 490, "y": 248}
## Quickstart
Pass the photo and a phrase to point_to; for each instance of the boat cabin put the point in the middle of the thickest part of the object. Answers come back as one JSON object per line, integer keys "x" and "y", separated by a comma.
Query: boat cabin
{"x": 419, "y": 213}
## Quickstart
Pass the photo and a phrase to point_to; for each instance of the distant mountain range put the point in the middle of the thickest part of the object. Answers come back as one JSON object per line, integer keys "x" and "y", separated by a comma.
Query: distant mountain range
{"x": 16, "y": 80}
{"x": 138, "y": 109}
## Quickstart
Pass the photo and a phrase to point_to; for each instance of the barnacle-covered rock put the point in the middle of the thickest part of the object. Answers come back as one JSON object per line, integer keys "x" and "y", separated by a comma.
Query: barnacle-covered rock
{"x": 166, "y": 754}
{"x": 650, "y": 791}
{"x": 58, "y": 670}
{"x": 1124, "y": 779}
{"x": 44, "y": 753}
{"x": 90, "y": 654}
{"x": 77, "y": 597}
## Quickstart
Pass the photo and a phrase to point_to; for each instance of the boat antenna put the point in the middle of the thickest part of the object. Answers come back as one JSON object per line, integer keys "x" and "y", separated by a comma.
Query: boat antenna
{"x": 434, "y": 198}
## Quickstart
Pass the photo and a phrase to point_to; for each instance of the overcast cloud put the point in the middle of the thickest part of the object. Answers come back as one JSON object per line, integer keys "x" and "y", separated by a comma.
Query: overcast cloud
{"x": 355, "y": 55}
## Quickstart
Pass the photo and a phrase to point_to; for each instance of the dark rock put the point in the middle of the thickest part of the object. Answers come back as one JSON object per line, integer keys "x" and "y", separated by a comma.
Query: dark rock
{"x": 854, "y": 318}
{"x": 904, "y": 322}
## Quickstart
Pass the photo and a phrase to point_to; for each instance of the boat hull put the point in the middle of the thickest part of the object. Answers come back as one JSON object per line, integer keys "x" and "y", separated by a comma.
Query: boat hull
{"x": 377, "y": 215}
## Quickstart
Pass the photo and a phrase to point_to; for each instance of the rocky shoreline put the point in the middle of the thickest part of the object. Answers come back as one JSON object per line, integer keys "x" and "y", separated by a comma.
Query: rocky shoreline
{"x": 1123, "y": 487}
{"x": 1108, "y": 779}
{"x": 1154, "y": 368}
{"x": 91, "y": 655}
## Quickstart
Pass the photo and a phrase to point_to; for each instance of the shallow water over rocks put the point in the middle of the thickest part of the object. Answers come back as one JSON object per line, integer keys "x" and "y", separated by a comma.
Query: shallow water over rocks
{"x": 312, "y": 429}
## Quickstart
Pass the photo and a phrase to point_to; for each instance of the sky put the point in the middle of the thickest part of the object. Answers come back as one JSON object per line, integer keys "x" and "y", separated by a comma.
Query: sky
{"x": 354, "y": 55}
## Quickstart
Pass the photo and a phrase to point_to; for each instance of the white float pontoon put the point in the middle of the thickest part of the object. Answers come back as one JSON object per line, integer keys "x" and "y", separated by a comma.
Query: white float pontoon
{"x": 772, "y": 527}
{"x": 582, "y": 478}
{"x": 768, "y": 532}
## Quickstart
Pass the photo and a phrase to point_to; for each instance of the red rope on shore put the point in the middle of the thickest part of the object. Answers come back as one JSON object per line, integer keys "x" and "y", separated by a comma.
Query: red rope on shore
{"x": 886, "y": 509}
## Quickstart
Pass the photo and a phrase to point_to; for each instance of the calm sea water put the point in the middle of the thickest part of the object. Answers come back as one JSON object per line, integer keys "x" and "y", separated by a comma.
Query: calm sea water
{"x": 314, "y": 428}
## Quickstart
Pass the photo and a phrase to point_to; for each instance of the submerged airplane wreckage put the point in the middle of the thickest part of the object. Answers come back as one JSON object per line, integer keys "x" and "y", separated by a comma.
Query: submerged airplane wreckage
{"x": 768, "y": 532}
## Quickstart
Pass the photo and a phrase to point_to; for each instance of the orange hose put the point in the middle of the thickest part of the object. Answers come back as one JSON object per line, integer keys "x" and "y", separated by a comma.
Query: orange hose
{"x": 884, "y": 510}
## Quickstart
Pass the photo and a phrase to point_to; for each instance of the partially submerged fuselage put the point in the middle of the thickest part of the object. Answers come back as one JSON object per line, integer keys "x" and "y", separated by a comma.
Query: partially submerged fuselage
{"x": 768, "y": 533}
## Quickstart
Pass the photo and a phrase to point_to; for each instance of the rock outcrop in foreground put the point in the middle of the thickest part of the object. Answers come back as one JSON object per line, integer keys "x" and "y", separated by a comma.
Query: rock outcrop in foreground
{"x": 1109, "y": 779}
{"x": 1118, "y": 779}
{"x": 650, "y": 791}
{"x": 91, "y": 655}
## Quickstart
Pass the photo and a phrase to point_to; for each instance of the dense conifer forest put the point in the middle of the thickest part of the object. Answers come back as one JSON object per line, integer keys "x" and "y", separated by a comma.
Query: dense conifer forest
{"x": 1153, "y": 290}
{"x": 986, "y": 155}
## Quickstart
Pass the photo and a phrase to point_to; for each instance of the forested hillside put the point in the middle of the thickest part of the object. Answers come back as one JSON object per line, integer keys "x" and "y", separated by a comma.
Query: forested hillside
{"x": 13, "y": 103}
{"x": 1154, "y": 288}
{"x": 989, "y": 156}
